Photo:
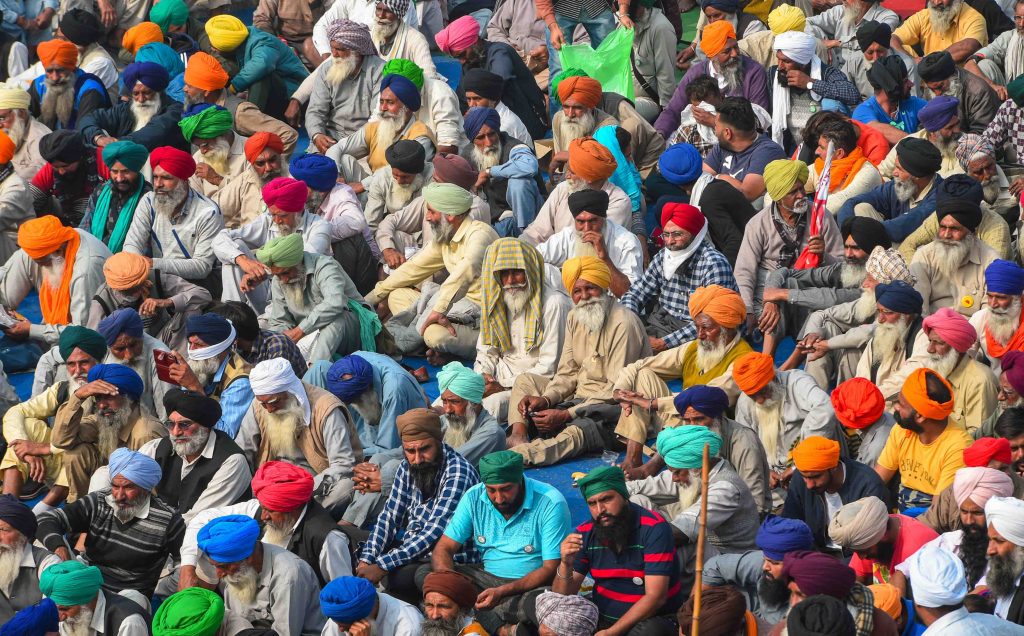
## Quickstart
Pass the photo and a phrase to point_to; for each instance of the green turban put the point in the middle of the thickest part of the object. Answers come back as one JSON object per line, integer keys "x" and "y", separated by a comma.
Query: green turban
{"x": 129, "y": 153}
{"x": 77, "y": 337}
{"x": 503, "y": 467}
{"x": 194, "y": 611}
{"x": 168, "y": 13}
{"x": 407, "y": 69}
{"x": 462, "y": 381}
{"x": 448, "y": 198}
{"x": 71, "y": 583}
{"x": 206, "y": 124}
{"x": 557, "y": 79}
{"x": 683, "y": 446}
{"x": 283, "y": 251}
{"x": 602, "y": 479}
{"x": 781, "y": 175}
{"x": 1015, "y": 90}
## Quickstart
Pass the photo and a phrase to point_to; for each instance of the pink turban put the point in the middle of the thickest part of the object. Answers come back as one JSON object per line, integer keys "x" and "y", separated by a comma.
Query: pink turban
{"x": 282, "y": 487}
{"x": 286, "y": 194}
{"x": 459, "y": 35}
{"x": 952, "y": 327}
{"x": 980, "y": 484}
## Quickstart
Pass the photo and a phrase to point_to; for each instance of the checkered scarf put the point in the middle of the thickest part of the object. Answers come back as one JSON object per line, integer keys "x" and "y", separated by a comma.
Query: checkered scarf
{"x": 863, "y": 602}
{"x": 398, "y": 7}
{"x": 352, "y": 36}
{"x": 885, "y": 266}
{"x": 971, "y": 145}
{"x": 510, "y": 253}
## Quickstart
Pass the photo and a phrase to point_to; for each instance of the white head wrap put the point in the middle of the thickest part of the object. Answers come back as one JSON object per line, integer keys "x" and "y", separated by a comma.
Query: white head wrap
{"x": 859, "y": 524}
{"x": 214, "y": 350}
{"x": 276, "y": 376}
{"x": 937, "y": 577}
{"x": 796, "y": 45}
{"x": 799, "y": 47}
{"x": 1006, "y": 515}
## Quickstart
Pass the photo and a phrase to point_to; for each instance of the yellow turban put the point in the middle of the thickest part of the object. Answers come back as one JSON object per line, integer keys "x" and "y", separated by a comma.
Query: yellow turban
{"x": 714, "y": 37}
{"x": 589, "y": 268}
{"x": 816, "y": 454}
{"x": 226, "y": 32}
{"x": 13, "y": 97}
{"x": 723, "y": 305}
{"x": 781, "y": 175}
{"x": 786, "y": 18}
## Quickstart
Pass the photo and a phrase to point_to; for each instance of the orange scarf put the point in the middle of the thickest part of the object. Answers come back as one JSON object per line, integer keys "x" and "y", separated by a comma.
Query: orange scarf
{"x": 997, "y": 350}
{"x": 39, "y": 238}
{"x": 843, "y": 170}
{"x": 56, "y": 303}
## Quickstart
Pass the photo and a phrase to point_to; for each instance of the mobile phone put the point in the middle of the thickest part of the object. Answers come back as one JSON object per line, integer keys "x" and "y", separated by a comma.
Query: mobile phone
{"x": 164, "y": 360}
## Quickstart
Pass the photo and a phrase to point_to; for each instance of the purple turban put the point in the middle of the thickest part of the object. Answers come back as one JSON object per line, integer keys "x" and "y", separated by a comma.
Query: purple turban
{"x": 817, "y": 573}
{"x": 1012, "y": 364}
{"x": 938, "y": 112}
{"x": 477, "y": 117}
{"x": 152, "y": 75}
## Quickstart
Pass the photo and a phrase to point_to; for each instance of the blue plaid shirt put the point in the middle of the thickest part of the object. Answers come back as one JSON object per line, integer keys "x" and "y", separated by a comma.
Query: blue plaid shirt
{"x": 419, "y": 522}
{"x": 707, "y": 266}
{"x": 271, "y": 344}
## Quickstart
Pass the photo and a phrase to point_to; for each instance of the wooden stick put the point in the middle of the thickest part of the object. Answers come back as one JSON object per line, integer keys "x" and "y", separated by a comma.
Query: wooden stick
{"x": 698, "y": 580}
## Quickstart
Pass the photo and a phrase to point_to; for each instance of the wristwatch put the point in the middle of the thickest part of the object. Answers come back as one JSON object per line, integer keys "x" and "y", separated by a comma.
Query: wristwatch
{"x": 810, "y": 85}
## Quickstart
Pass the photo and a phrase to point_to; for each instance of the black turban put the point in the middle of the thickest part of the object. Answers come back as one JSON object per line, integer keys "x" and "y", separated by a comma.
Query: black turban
{"x": 870, "y": 32}
{"x": 65, "y": 146}
{"x": 888, "y": 74}
{"x": 820, "y": 615}
{"x": 81, "y": 27}
{"x": 484, "y": 83}
{"x": 918, "y": 156}
{"x": 592, "y": 201}
{"x": 406, "y": 155}
{"x": 195, "y": 406}
{"x": 965, "y": 211}
{"x": 867, "y": 232}
{"x": 959, "y": 186}
{"x": 18, "y": 516}
{"x": 936, "y": 67}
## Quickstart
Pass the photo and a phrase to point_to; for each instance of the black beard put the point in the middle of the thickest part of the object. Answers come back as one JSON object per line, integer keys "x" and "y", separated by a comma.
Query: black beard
{"x": 772, "y": 591}
{"x": 617, "y": 534}
{"x": 884, "y": 553}
{"x": 973, "y": 548}
{"x": 906, "y": 423}
{"x": 1002, "y": 573}
{"x": 424, "y": 477}
{"x": 514, "y": 505}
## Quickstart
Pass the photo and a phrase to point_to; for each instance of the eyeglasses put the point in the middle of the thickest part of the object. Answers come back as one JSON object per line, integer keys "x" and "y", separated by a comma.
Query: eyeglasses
{"x": 180, "y": 424}
{"x": 674, "y": 235}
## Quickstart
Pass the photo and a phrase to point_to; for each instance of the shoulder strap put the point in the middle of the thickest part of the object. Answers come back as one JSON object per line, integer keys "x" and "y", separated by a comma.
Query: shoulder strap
{"x": 653, "y": 94}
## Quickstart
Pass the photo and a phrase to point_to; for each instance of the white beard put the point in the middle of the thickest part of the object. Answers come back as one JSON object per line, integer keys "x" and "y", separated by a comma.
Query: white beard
{"x": 58, "y": 103}
{"x": 991, "y": 191}
{"x": 577, "y": 184}
{"x": 368, "y": 406}
{"x": 10, "y": 563}
{"x": 19, "y": 130}
{"x": 282, "y": 430}
{"x": 294, "y": 294}
{"x": 218, "y": 155}
{"x": 54, "y": 272}
{"x": 79, "y": 625}
{"x": 187, "y": 447}
{"x": 390, "y": 126}
{"x": 381, "y": 32}
{"x": 443, "y": 231}
{"x": 866, "y": 307}
{"x": 487, "y": 157}
{"x": 516, "y": 299}
{"x": 109, "y": 426}
{"x": 906, "y": 190}
{"x": 458, "y": 430}
{"x": 278, "y": 534}
{"x": 689, "y": 493}
{"x": 76, "y": 383}
{"x": 341, "y": 69}
{"x": 581, "y": 249}
{"x": 711, "y": 353}
{"x": 167, "y": 203}
{"x": 592, "y": 312}
{"x": 144, "y": 112}
{"x": 943, "y": 365}
{"x": 941, "y": 21}
{"x": 888, "y": 340}
{"x": 1001, "y": 407}
{"x": 126, "y": 512}
{"x": 244, "y": 584}
{"x": 731, "y": 74}
{"x": 1003, "y": 323}
{"x": 850, "y": 16}
{"x": 769, "y": 426}
{"x": 852, "y": 274}
{"x": 204, "y": 369}
{"x": 400, "y": 195}
{"x": 951, "y": 256}
{"x": 582, "y": 126}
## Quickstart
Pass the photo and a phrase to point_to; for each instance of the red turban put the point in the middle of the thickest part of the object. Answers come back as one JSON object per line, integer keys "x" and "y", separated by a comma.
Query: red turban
{"x": 178, "y": 163}
{"x": 753, "y": 371}
{"x": 585, "y": 90}
{"x": 282, "y": 487}
{"x": 858, "y": 403}
{"x": 58, "y": 53}
{"x": 952, "y": 327}
{"x": 684, "y": 215}
{"x": 286, "y": 194}
{"x": 260, "y": 142}
{"x": 987, "y": 449}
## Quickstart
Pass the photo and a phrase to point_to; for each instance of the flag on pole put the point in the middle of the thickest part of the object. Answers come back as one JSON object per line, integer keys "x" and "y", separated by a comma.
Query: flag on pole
{"x": 807, "y": 260}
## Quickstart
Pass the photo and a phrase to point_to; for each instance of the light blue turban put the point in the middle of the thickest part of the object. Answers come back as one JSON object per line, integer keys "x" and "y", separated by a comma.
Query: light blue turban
{"x": 141, "y": 470}
{"x": 683, "y": 446}
{"x": 462, "y": 381}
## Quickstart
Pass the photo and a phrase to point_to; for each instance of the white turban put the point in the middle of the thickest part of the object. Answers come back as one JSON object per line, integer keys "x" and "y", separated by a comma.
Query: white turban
{"x": 1006, "y": 515}
{"x": 796, "y": 45}
{"x": 859, "y": 524}
{"x": 937, "y": 577}
{"x": 214, "y": 350}
{"x": 276, "y": 376}
{"x": 13, "y": 97}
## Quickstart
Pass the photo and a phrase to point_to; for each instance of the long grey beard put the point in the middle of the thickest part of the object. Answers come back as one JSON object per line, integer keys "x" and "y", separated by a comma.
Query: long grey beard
{"x": 731, "y": 74}
{"x": 576, "y": 127}
{"x": 769, "y": 425}
{"x": 204, "y": 370}
{"x": 459, "y": 429}
{"x": 710, "y": 354}
{"x": 486, "y": 158}
{"x": 866, "y": 307}
{"x": 79, "y": 625}
{"x": 54, "y": 272}
{"x": 1001, "y": 407}
{"x": 946, "y": 145}
{"x": 942, "y": 19}
{"x": 400, "y": 195}
{"x": 189, "y": 446}
{"x": 268, "y": 176}
{"x": 991, "y": 190}
{"x": 887, "y": 341}
{"x": 1003, "y": 572}
{"x": 368, "y": 406}
{"x": 278, "y": 535}
{"x": 950, "y": 256}
{"x": 905, "y": 190}
{"x": 381, "y": 32}
{"x": 943, "y": 365}
{"x": 58, "y": 103}
{"x": 295, "y": 294}
{"x": 852, "y": 274}
{"x": 443, "y": 231}
{"x": 10, "y": 563}
{"x": 581, "y": 249}
{"x": 516, "y": 299}
{"x": 166, "y": 203}
{"x": 244, "y": 584}
{"x": 144, "y": 112}
{"x": 389, "y": 127}
{"x": 109, "y": 426}
{"x": 218, "y": 155}
{"x": 341, "y": 69}
{"x": 850, "y": 15}
{"x": 591, "y": 313}
{"x": 126, "y": 512}
{"x": 282, "y": 430}
{"x": 1003, "y": 323}
{"x": 443, "y": 626}
{"x": 688, "y": 493}
{"x": 19, "y": 129}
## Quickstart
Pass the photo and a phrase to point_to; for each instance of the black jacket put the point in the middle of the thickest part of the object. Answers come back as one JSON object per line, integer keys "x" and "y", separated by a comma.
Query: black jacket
{"x": 118, "y": 122}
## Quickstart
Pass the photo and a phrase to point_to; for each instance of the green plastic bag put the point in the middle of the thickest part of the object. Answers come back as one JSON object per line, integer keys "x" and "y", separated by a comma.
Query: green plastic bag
{"x": 609, "y": 64}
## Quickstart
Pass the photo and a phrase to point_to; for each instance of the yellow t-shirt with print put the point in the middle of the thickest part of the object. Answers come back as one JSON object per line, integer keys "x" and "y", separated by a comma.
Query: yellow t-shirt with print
{"x": 928, "y": 468}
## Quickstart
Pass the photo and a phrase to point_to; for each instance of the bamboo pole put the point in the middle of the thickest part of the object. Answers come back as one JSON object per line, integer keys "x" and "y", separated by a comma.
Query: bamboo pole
{"x": 698, "y": 580}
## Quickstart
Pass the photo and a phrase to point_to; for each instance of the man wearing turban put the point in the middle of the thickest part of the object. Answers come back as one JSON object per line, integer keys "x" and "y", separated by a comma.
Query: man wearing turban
{"x": 20, "y": 559}
{"x": 940, "y": 125}
{"x": 1004, "y": 515}
{"x": 131, "y": 556}
{"x": 440, "y": 110}
{"x": 484, "y": 90}
{"x": 826, "y": 598}
{"x": 175, "y": 224}
{"x": 76, "y": 589}
{"x": 220, "y": 153}
{"x": 112, "y": 206}
{"x": 888, "y": 355}
{"x": 64, "y": 94}
{"x": 449, "y": 601}
{"x": 830, "y": 25}
{"x": 924, "y": 440}
{"x": 393, "y": 187}
{"x": 860, "y": 409}
{"x": 998, "y": 324}
{"x": 469, "y": 428}
{"x": 574, "y": 412}
{"x": 284, "y": 201}
{"x": 24, "y": 130}
{"x": 353, "y": 605}
{"x": 83, "y": 28}
{"x": 241, "y": 200}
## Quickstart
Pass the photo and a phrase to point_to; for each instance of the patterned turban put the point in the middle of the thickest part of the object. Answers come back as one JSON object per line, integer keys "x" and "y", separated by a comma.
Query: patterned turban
{"x": 204, "y": 72}
{"x": 226, "y": 32}
{"x": 972, "y": 146}
{"x": 916, "y": 393}
{"x": 589, "y": 268}
{"x": 398, "y": 7}
{"x": 589, "y": 160}
{"x": 459, "y": 35}
{"x": 282, "y": 486}
{"x": 722, "y": 305}
{"x": 351, "y": 36}
{"x": 286, "y": 194}
{"x": 255, "y": 145}
{"x": 58, "y": 53}
{"x": 753, "y": 371}
{"x": 952, "y": 327}
{"x": 858, "y": 403}
{"x": 859, "y": 524}
{"x": 571, "y": 615}
{"x": 507, "y": 254}
{"x": 585, "y": 90}
{"x": 715, "y": 36}
{"x": 178, "y": 163}
{"x": 816, "y": 454}
{"x": 887, "y": 266}
{"x": 781, "y": 175}
{"x": 140, "y": 35}
{"x": 683, "y": 446}
{"x": 194, "y": 611}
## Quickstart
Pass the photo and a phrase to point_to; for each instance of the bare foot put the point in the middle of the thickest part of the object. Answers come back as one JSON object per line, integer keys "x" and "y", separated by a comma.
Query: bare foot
{"x": 436, "y": 358}
{"x": 515, "y": 440}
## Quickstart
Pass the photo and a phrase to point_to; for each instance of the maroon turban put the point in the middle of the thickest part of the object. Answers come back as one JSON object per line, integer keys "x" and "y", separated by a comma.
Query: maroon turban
{"x": 1012, "y": 364}
{"x": 817, "y": 573}
{"x": 286, "y": 194}
{"x": 178, "y": 163}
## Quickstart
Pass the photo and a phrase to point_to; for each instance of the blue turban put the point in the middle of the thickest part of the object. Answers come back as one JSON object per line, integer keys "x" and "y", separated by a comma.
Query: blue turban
{"x": 709, "y": 400}
{"x": 681, "y": 164}
{"x": 778, "y": 535}
{"x": 18, "y": 516}
{"x": 229, "y": 539}
{"x": 165, "y": 56}
{"x": 125, "y": 320}
{"x": 348, "y": 599}
{"x": 1004, "y": 277}
{"x": 141, "y": 470}
{"x": 348, "y": 390}
{"x": 462, "y": 381}
{"x": 404, "y": 90}
{"x": 900, "y": 297}
{"x": 683, "y": 446}
{"x": 210, "y": 328}
{"x": 938, "y": 112}
{"x": 35, "y": 620}
{"x": 316, "y": 171}
{"x": 477, "y": 117}
{"x": 152, "y": 75}
{"x": 726, "y": 6}
{"x": 123, "y": 377}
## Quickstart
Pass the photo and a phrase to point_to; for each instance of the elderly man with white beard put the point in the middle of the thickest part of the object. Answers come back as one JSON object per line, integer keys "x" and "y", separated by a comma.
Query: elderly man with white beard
{"x": 998, "y": 324}
{"x": 345, "y": 88}
{"x": 23, "y": 129}
{"x": 940, "y": 125}
{"x": 784, "y": 407}
{"x": 1005, "y": 516}
{"x": 243, "y": 275}
{"x": 263, "y": 583}
{"x": 392, "y": 187}
{"x": 951, "y": 25}
{"x": 85, "y": 608}
{"x": 522, "y": 321}
{"x": 175, "y": 225}
{"x": 976, "y": 157}
{"x": 441, "y": 111}
{"x": 220, "y": 152}
{"x": 303, "y": 424}
{"x": 130, "y": 345}
{"x": 892, "y": 337}
{"x": 395, "y": 39}
{"x": 21, "y": 563}
{"x": 579, "y": 116}
{"x": 64, "y": 94}
{"x": 241, "y": 200}
{"x": 1011, "y": 389}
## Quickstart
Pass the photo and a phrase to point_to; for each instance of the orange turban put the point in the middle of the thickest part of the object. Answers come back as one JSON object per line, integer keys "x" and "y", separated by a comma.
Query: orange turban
{"x": 585, "y": 90}
{"x": 57, "y": 53}
{"x": 125, "y": 270}
{"x": 714, "y": 37}
{"x": 589, "y": 268}
{"x": 753, "y": 371}
{"x": 204, "y": 72}
{"x": 888, "y": 599}
{"x": 41, "y": 237}
{"x": 721, "y": 304}
{"x": 858, "y": 403}
{"x": 260, "y": 142}
{"x": 140, "y": 35}
{"x": 6, "y": 148}
{"x": 590, "y": 160}
{"x": 915, "y": 391}
{"x": 816, "y": 454}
